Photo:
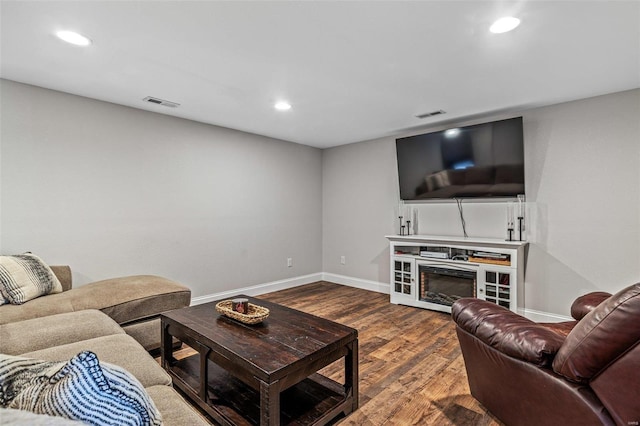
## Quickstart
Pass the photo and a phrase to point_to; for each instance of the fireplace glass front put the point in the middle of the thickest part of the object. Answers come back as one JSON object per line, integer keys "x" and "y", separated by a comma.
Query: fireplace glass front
{"x": 444, "y": 285}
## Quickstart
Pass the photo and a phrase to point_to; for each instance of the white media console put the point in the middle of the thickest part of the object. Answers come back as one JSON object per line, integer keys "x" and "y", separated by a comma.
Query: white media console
{"x": 433, "y": 271}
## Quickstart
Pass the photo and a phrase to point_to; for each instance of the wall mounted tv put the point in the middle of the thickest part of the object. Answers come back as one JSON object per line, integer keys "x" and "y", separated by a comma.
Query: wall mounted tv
{"x": 481, "y": 161}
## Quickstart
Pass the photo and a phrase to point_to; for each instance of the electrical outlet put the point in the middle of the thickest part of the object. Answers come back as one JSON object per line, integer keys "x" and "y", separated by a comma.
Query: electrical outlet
{"x": 343, "y": 260}
{"x": 289, "y": 262}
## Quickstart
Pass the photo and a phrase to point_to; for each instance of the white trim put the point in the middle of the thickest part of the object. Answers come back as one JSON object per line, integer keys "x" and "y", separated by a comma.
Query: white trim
{"x": 258, "y": 289}
{"x": 357, "y": 282}
{"x": 540, "y": 316}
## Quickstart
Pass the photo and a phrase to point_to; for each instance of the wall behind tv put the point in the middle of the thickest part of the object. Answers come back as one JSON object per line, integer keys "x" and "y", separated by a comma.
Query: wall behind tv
{"x": 582, "y": 177}
{"x": 113, "y": 191}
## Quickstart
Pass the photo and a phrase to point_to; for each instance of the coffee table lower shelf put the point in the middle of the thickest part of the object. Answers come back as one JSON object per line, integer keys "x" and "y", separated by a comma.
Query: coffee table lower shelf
{"x": 314, "y": 401}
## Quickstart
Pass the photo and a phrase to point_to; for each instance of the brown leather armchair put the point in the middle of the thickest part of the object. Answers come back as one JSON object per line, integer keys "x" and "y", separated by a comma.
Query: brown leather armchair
{"x": 582, "y": 372}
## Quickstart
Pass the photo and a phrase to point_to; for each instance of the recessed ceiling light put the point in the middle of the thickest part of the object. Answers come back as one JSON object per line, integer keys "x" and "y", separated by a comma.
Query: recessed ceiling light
{"x": 73, "y": 38}
{"x": 505, "y": 24}
{"x": 452, "y": 133}
{"x": 282, "y": 106}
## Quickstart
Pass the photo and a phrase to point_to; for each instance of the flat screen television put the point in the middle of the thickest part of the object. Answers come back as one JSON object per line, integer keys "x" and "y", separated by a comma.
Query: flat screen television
{"x": 480, "y": 161}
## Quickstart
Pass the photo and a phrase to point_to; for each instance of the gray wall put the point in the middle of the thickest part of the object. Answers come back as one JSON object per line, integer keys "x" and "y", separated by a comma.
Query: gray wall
{"x": 360, "y": 190}
{"x": 115, "y": 191}
{"x": 582, "y": 176}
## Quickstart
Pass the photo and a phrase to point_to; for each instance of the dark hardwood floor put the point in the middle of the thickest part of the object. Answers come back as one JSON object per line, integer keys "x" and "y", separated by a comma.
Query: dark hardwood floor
{"x": 411, "y": 367}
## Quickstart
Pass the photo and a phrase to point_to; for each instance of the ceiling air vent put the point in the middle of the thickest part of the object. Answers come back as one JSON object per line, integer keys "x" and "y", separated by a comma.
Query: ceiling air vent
{"x": 431, "y": 114}
{"x": 161, "y": 102}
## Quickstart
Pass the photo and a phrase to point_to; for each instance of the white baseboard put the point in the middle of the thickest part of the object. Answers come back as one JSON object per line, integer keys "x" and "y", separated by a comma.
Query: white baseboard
{"x": 256, "y": 290}
{"x": 540, "y": 316}
{"x": 356, "y": 282}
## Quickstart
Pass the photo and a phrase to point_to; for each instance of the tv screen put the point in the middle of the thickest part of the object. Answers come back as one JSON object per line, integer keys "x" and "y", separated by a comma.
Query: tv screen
{"x": 481, "y": 161}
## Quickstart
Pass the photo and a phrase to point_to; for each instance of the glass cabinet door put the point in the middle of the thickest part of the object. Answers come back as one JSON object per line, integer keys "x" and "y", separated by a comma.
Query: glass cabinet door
{"x": 498, "y": 287}
{"x": 403, "y": 281}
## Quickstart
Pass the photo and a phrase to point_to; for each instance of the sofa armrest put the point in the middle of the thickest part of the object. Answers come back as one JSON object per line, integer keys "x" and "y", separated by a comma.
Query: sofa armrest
{"x": 586, "y": 303}
{"x": 63, "y": 273}
{"x": 506, "y": 331}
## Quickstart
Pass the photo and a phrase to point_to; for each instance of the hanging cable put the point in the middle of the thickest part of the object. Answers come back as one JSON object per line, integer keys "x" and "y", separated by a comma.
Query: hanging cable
{"x": 464, "y": 224}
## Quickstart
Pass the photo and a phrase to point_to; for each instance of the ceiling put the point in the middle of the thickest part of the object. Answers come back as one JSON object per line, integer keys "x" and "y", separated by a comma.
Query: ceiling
{"x": 353, "y": 71}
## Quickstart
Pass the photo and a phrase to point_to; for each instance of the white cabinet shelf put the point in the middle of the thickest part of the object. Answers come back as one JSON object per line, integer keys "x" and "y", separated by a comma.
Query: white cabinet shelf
{"x": 432, "y": 271}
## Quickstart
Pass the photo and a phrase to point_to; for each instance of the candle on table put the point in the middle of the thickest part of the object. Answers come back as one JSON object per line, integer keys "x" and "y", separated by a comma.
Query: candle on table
{"x": 510, "y": 215}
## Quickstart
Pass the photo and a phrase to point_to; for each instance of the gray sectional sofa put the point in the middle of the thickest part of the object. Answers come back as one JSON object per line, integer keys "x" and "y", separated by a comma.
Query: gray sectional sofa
{"x": 134, "y": 302}
{"x": 116, "y": 319}
{"x": 61, "y": 336}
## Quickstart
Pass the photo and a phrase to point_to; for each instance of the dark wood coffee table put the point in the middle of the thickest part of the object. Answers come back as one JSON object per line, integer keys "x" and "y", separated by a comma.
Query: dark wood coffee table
{"x": 263, "y": 374}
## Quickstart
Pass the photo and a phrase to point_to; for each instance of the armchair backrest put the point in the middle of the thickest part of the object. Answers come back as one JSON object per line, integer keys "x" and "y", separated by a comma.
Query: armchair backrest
{"x": 602, "y": 336}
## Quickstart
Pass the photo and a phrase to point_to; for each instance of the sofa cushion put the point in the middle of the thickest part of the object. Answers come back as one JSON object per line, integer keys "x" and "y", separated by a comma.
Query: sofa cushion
{"x": 79, "y": 389}
{"x": 457, "y": 177}
{"x": 42, "y": 306}
{"x": 147, "y": 333}
{"x": 40, "y": 333}
{"x": 175, "y": 410}
{"x": 10, "y": 416}
{"x": 24, "y": 277}
{"x": 133, "y": 298}
{"x": 118, "y": 349}
{"x": 482, "y": 175}
{"x": 603, "y": 335}
{"x": 563, "y": 328}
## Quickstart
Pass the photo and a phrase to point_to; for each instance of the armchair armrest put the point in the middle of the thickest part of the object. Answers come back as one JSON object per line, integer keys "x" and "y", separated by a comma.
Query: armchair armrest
{"x": 506, "y": 331}
{"x": 586, "y": 303}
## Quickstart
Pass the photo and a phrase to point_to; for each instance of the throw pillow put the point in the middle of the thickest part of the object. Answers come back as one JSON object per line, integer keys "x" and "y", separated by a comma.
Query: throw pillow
{"x": 80, "y": 389}
{"x": 437, "y": 180}
{"x": 24, "y": 277}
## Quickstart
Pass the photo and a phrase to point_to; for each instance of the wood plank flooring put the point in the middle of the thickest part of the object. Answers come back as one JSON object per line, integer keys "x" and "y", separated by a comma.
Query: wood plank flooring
{"x": 411, "y": 367}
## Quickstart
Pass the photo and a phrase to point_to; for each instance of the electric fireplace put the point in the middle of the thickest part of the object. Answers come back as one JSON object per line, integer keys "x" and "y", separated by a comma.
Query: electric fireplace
{"x": 444, "y": 284}
{"x": 434, "y": 272}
